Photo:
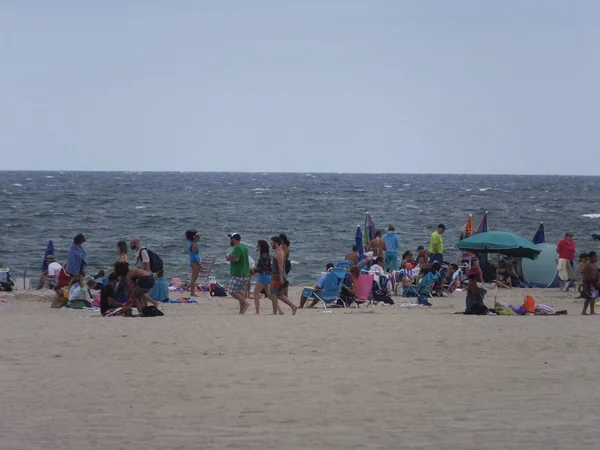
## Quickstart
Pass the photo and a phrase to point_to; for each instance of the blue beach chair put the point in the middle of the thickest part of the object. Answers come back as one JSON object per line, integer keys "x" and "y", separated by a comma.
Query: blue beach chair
{"x": 423, "y": 288}
{"x": 332, "y": 288}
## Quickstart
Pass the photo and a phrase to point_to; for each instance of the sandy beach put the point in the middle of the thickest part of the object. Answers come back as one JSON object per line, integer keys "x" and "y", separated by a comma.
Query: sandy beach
{"x": 204, "y": 377}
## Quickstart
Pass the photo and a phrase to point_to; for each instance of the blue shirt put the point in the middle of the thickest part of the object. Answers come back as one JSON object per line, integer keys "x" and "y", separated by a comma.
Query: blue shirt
{"x": 160, "y": 290}
{"x": 77, "y": 260}
{"x": 194, "y": 256}
{"x": 392, "y": 241}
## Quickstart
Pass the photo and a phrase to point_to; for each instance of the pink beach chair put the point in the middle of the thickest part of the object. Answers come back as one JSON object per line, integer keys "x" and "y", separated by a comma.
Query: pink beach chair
{"x": 364, "y": 288}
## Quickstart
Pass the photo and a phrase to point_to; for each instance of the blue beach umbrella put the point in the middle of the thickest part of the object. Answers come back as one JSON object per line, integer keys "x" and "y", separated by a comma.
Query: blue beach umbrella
{"x": 49, "y": 251}
{"x": 358, "y": 238}
{"x": 540, "y": 236}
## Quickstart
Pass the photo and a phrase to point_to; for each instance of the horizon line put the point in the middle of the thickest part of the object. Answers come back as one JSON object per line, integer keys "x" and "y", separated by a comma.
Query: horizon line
{"x": 298, "y": 172}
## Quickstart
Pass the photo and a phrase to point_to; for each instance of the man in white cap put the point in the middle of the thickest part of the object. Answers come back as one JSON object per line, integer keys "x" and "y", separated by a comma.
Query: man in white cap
{"x": 239, "y": 269}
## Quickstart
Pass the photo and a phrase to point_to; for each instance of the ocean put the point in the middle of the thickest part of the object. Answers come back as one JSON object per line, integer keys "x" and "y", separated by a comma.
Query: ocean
{"x": 318, "y": 212}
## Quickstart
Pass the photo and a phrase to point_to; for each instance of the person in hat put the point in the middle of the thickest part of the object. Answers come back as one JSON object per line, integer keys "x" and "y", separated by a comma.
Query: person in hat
{"x": 239, "y": 268}
{"x": 51, "y": 274}
{"x": 436, "y": 244}
{"x": 475, "y": 295}
{"x": 392, "y": 245}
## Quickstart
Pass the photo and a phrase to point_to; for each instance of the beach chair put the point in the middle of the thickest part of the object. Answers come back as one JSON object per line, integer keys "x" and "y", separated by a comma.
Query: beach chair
{"x": 456, "y": 280}
{"x": 423, "y": 288}
{"x": 364, "y": 290}
{"x": 331, "y": 288}
{"x": 205, "y": 268}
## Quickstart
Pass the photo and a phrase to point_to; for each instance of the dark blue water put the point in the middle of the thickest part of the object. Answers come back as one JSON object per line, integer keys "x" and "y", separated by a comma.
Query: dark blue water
{"x": 318, "y": 212}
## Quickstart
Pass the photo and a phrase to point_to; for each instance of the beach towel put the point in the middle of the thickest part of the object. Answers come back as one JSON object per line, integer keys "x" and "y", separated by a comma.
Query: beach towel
{"x": 182, "y": 300}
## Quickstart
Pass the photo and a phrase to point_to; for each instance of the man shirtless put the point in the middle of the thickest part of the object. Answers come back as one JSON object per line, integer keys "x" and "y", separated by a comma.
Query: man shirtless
{"x": 377, "y": 245}
{"x": 590, "y": 281}
{"x": 353, "y": 255}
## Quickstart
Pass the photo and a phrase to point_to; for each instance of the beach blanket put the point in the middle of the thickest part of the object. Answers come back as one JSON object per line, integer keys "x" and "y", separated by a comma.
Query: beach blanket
{"x": 182, "y": 300}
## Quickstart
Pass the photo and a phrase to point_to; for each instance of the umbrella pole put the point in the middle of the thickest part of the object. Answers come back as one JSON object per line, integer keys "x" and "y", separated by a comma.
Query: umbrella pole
{"x": 497, "y": 275}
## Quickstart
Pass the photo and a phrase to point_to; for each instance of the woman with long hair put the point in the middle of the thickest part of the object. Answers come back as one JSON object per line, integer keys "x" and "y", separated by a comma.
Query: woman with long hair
{"x": 279, "y": 281}
{"x": 263, "y": 269}
{"x": 475, "y": 294}
{"x": 285, "y": 245}
{"x": 193, "y": 238}
{"x": 122, "y": 249}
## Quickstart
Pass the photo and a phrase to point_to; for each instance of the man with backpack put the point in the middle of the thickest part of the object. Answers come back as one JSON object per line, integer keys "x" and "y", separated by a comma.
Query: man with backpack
{"x": 145, "y": 259}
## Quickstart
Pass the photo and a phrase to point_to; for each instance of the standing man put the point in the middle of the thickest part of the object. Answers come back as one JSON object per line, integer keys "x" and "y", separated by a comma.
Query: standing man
{"x": 590, "y": 282}
{"x": 239, "y": 268}
{"x": 392, "y": 245}
{"x": 377, "y": 245}
{"x": 566, "y": 255}
{"x": 436, "y": 245}
{"x": 142, "y": 259}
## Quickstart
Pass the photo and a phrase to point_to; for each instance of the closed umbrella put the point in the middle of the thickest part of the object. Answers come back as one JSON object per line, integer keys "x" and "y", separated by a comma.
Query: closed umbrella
{"x": 369, "y": 230}
{"x": 540, "y": 235}
{"x": 49, "y": 251}
{"x": 358, "y": 238}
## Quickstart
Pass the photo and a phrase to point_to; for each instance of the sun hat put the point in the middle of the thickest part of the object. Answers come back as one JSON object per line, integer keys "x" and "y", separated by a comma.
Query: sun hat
{"x": 473, "y": 272}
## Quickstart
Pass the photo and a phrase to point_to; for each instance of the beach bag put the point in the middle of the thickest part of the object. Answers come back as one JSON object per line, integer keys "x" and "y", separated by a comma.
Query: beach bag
{"x": 156, "y": 262}
{"x": 380, "y": 295}
{"x": 423, "y": 300}
{"x": 151, "y": 311}
{"x": 529, "y": 305}
{"x": 218, "y": 291}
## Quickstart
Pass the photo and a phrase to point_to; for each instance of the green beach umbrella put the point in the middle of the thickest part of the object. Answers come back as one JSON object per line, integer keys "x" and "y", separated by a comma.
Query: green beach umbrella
{"x": 500, "y": 242}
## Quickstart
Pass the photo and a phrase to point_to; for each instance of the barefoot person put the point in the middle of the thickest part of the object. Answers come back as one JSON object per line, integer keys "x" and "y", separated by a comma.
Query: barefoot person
{"x": 108, "y": 299}
{"x": 193, "y": 238}
{"x": 239, "y": 269}
{"x": 590, "y": 283}
{"x": 138, "y": 283}
{"x": 263, "y": 270}
{"x": 278, "y": 278}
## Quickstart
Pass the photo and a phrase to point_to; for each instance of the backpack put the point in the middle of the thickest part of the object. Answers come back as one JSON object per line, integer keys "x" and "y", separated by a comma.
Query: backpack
{"x": 156, "y": 263}
{"x": 218, "y": 291}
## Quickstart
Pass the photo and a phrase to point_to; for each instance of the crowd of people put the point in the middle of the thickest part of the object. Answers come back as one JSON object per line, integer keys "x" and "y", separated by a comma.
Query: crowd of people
{"x": 142, "y": 284}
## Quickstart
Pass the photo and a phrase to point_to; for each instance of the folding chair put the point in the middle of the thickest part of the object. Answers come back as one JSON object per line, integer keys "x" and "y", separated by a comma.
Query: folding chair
{"x": 364, "y": 290}
{"x": 205, "y": 268}
{"x": 332, "y": 288}
{"x": 423, "y": 288}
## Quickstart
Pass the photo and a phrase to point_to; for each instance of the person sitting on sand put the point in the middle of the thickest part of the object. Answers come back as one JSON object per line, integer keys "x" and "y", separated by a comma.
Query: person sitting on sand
{"x": 450, "y": 280}
{"x": 317, "y": 287}
{"x": 138, "y": 283}
{"x": 475, "y": 295}
{"x": 348, "y": 292}
{"x": 353, "y": 255}
{"x": 407, "y": 257}
{"x": 51, "y": 274}
{"x": 377, "y": 245}
{"x": 504, "y": 279}
{"x": 108, "y": 299}
{"x": 364, "y": 261}
{"x": 160, "y": 290}
{"x": 590, "y": 283}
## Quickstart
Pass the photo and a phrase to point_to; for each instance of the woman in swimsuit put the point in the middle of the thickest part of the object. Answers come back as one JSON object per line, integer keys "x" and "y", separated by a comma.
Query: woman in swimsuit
{"x": 138, "y": 283}
{"x": 122, "y": 249}
{"x": 285, "y": 245}
{"x": 263, "y": 270}
{"x": 193, "y": 238}
{"x": 279, "y": 281}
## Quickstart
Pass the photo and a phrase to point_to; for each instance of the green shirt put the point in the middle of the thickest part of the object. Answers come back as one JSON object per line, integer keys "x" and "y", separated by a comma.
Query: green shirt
{"x": 242, "y": 267}
{"x": 436, "y": 238}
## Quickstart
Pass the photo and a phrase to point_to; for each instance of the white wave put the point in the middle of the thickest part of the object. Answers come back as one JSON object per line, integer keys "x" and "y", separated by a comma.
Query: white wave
{"x": 359, "y": 190}
{"x": 406, "y": 184}
{"x": 140, "y": 207}
{"x": 539, "y": 210}
{"x": 49, "y": 176}
{"x": 29, "y": 179}
{"x": 484, "y": 189}
{"x": 387, "y": 186}
{"x": 260, "y": 189}
{"x": 591, "y": 216}
{"x": 468, "y": 190}
{"x": 293, "y": 262}
{"x": 17, "y": 184}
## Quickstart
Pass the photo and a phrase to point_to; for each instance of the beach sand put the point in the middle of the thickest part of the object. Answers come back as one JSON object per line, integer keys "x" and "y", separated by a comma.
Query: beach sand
{"x": 203, "y": 377}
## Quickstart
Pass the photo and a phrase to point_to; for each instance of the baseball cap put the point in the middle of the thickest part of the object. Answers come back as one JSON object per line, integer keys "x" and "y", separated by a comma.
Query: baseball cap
{"x": 235, "y": 236}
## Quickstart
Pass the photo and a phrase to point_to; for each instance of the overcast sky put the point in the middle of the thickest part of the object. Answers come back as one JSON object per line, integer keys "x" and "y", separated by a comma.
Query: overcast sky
{"x": 451, "y": 86}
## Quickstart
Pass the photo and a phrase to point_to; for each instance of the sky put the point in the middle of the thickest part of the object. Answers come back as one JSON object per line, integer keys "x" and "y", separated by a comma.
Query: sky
{"x": 425, "y": 86}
